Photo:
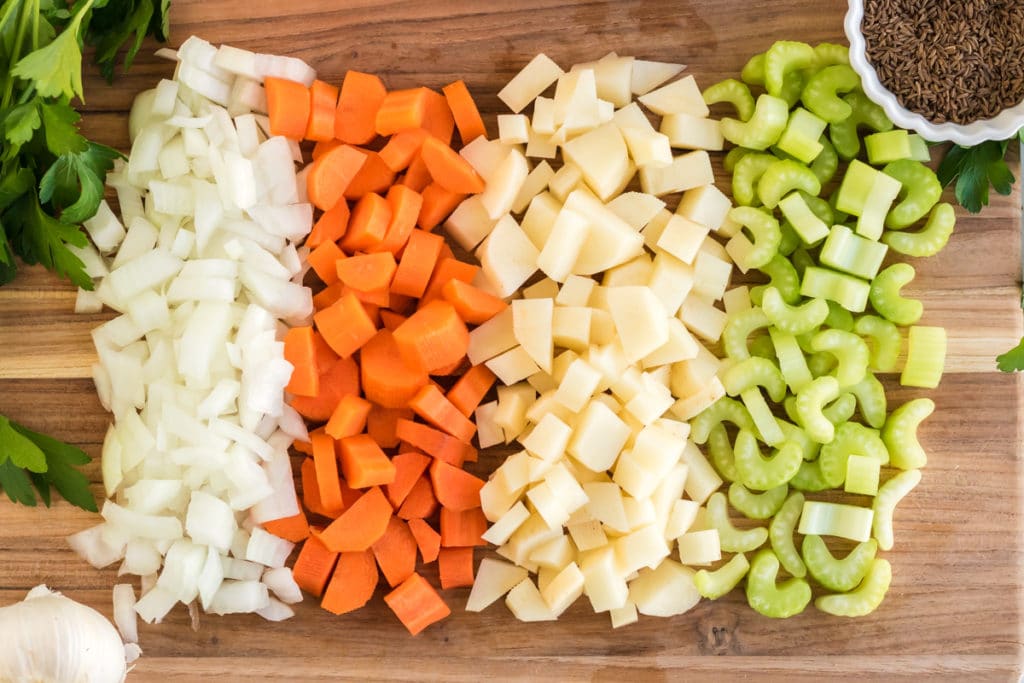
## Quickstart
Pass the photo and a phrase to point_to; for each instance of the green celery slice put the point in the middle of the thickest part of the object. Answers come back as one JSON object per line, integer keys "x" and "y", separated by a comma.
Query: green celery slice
{"x": 820, "y": 95}
{"x": 865, "y": 599}
{"x": 838, "y": 574}
{"x": 850, "y": 253}
{"x": 731, "y": 539}
{"x": 888, "y": 146}
{"x": 862, "y": 474}
{"x": 780, "y": 534}
{"x": 757, "y": 505}
{"x": 836, "y": 519}
{"x": 928, "y": 241}
{"x": 886, "y": 299}
{"x": 769, "y": 598}
{"x": 926, "y": 357}
{"x": 800, "y": 138}
{"x": 889, "y": 495}
{"x": 846, "y": 290}
{"x": 715, "y": 584}
{"x": 807, "y": 225}
{"x": 900, "y": 433}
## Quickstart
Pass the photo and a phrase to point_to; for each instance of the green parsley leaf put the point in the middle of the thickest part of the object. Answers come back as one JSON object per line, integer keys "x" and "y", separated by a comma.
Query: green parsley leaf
{"x": 1012, "y": 360}
{"x": 56, "y": 69}
{"x": 975, "y": 169}
{"x": 14, "y": 182}
{"x": 60, "y": 123}
{"x": 74, "y": 182}
{"x": 72, "y": 485}
{"x": 41, "y": 238}
{"x": 19, "y": 449}
{"x": 20, "y": 123}
{"x": 16, "y": 485}
{"x": 120, "y": 19}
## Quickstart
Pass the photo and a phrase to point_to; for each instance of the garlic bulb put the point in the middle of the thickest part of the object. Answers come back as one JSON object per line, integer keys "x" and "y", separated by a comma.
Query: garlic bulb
{"x": 48, "y": 638}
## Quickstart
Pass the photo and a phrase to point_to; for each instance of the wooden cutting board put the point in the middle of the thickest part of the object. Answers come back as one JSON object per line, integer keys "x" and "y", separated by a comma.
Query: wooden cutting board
{"x": 954, "y": 609}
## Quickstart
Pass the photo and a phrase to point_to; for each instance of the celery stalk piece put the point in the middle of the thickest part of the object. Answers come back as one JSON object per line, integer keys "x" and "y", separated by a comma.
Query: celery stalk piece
{"x": 862, "y": 473}
{"x": 820, "y": 95}
{"x": 828, "y": 54}
{"x": 889, "y": 146}
{"x": 761, "y": 347}
{"x": 844, "y": 134}
{"x": 751, "y": 373}
{"x": 792, "y": 363}
{"x": 926, "y": 357}
{"x": 849, "y": 292}
{"x": 809, "y": 478}
{"x": 720, "y": 450}
{"x": 809, "y": 402}
{"x": 757, "y": 505}
{"x": 839, "y": 411}
{"x": 900, "y": 433}
{"x": 792, "y": 87}
{"x": 735, "y": 93}
{"x": 865, "y": 599}
{"x": 919, "y": 148}
{"x": 782, "y": 177}
{"x": 928, "y": 241}
{"x": 852, "y": 253}
{"x": 838, "y": 318}
{"x": 858, "y": 181}
{"x": 724, "y": 409}
{"x": 738, "y": 328}
{"x": 758, "y": 473}
{"x": 851, "y": 439}
{"x": 794, "y": 320}
{"x": 782, "y": 276}
{"x": 836, "y": 519}
{"x": 800, "y": 138}
{"x": 764, "y": 421}
{"x": 747, "y": 173}
{"x": 763, "y": 129}
{"x": 921, "y": 191}
{"x": 809, "y": 448}
{"x": 807, "y": 225}
{"x": 889, "y": 495}
{"x": 838, "y": 574}
{"x": 731, "y": 539}
{"x": 885, "y": 341}
{"x": 870, "y": 395}
{"x": 783, "y": 58}
{"x": 752, "y": 72}
{"x": 733, "y": 156}
{"x": 769, "y": 598}
{"x": 780, "y": 534}
{"x": 887, "y": 300}
{"x": 766, "y": 238}
{"x": 826, "y": 164}
{"x": 849, "y": 349}
{"x": 715, "y": 584}
{"x": 884, "y": 191}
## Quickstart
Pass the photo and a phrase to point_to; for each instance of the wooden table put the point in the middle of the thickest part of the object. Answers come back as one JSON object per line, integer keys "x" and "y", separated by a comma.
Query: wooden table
{"x": 954, "y": 609}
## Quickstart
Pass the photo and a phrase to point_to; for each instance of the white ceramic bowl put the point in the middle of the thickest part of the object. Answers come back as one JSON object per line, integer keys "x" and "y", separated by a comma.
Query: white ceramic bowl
{"x": 1004, "y": 125}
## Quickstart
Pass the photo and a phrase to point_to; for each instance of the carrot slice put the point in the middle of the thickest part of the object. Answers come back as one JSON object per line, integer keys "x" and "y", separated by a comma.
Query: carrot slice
{"x": 374, "y": 176}
{"x": 389, "y": 320}
{"x": 356, "y": 116}
{"x": 388, "y": 379}
{"x": 349, "y": 417}
{"x": 287, "y": 107}
{"x": 416, "y": 604}
{"x": 372, "y": 300}
{"x": 417, "y": 175}
{"x": 300, "y": 351}
{"x": 351, "y": 587}
{"x": 402, "y": 109}
{"x": 417, "y": 263}
{"x": 455, "y": 488}
{"x": 448, "y": 269}
{"x": 464, "y": 110}
{"x": 367, "y": 272}
{"x": 330, "y": 227}
{"x": 455, "y": 567}
{"x": 382, "y": 423}
{"x": 364, "y": 464}
{"x": 402, "y": 147}
{"x": 438, "y": 204}
{"x": 327, "y": 474}
{"x": 428, "y": 540}
{"x": 409, "y": 467}
{"x": 439, "y": 121}
{"x": 434, "y": 442}
{"x": 470, "y": 389}
{"x": 345, "y": 325}
{"x": 396, "y": 552}
{"x": 450, "y": 169}
{"x": 474, "y": 305}
{"x": 432, "y": 405}
{"x": 360, "y": 525}
{"x": 340, "y": 378}
{"x": 323, "y": 261}
{"x": 462, "y": 528}
{"x": 368, "y": 224}
{"x": 400, "y": 303}
{"x": 323, "y": 99}
{"x": 405, "y": 210}
{"x": 421, "y": 501}
{"x": 294, "y": 528}
{"x": 313, "y": 566}
{"x": 433, "y": 337}
{"x": 323, "y": 147}
{"x": 331, "y": 174}
{"x": 311, "y": 490}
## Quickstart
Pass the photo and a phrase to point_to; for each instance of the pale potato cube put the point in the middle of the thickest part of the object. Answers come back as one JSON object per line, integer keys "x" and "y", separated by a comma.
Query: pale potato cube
{"x": 634, "y": 272}
{"x": 610, "y": 240}
{"x": 671, "y": 281}
{"x": 570, "y": 327}
{"x": 603, "y": 585}
{"x": 561, "y": 364}
{"x": 652, "y": 231}
{"x": 540, "y": 217}
{"x": 679, "y": 97}
{"x": 650, "y": 402}
{"x": 513, "y": 402}
{"x": 540, "y": 146}
{"x": 587, "y": 535}
{"x": 692, "y": 404}
{"x": 665, "y": 591}
{"x": 469, "y": 224}
{"x": 680, "y": 346}
{"x": 644, "y": 547}
{"x": 628, "y": 384}
{"x": 640, "y": 320}
{"x": 565, "y": 180}
{"x": 669, "y": 490}
{"x": 488, "y": 433}
{"x": 737, "y": 300}
{"x": 507, "y": 256}
{"x": 632, "y": 116}
{"x": 647, "y": 147}
{"x": 563, "y": 245}
{"x": 686, "y": 172}
{"x": 689, "y": 377}
{"x": 545, "y": 575}
{"x": 699, "y": 547}
{"x": 514, "y": 129}
{"x": 556, "y": 553}
{"x": 702, "y": 480}
{"x": 505, "y": 526}
{"x": 542, "y": 381}
{"x": 613, "y": 75}
{"x": 505, "y": 183}
{"x": 538, "y": 468}
{"x": 624, "y": 616}
{"x": 713, "y": 247}
{"x": 530, "y": 534}
{"x": 686, "y": 131}
{"x": 534, "y": 184}
{"x": 636, "y": 208}
{"x": 598, "y": 438}
{"x": 705, "y": 204}
{"x": 547, "y": 504}
{"x": 564, "y": 589}
{"x": 545, "y": 288}
{"x": 546, "y": 404}
{"x": 514, "y": 553}
{"x": 602, "y": 327}
{"x": 655, "y": 452}
{"x": 543, "y": 116}
{"x": 639, "y": 512}
{"x": 494, "y": 579}
{"x": 575, "y": 291}
{"x": 526, "y": 604}
{"x": 608, "y": 359}
{"x": 531, "y": 81}
{"x": 513, "y": 475}
{"x": 682, "y": 238}
{"x": 583, "y": 476}
{"x": 548, "y": 439}
{"x": 565, "y": 486}
{"x": 702, "y": 318}
{"x": 495, "y": 501}
{"x": 678, "y": 428}
{"x": 513, "y": 366}
{"x": 602, "y": 156}
{"x": 711, "y": 275}
{"x": 579, "y": 384}
{"x": 681, "y": 518}
{"x": 485, "y": 156}
{"x": 729, "y": 227}
{"x": 491, "y": 338}
{"x": 576, "y": 100}
{"x": 648, "y": 75}
{"x": 604, "y": 503}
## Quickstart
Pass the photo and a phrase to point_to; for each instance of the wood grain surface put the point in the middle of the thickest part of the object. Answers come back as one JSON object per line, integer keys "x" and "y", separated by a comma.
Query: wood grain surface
{"x": 954, "y": 611}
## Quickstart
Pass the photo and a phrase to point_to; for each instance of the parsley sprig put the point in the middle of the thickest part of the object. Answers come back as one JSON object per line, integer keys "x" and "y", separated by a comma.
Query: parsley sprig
{"x": 31, "y": 460}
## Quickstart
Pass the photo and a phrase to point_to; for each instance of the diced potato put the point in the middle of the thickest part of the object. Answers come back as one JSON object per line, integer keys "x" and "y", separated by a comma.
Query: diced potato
{"x": 531, "y": 81}
{"x": 579, "y": 384}
{"x": 505, "y": 526}
{"x": 565, "y": 180}
{"x": 538, "y": 468}
{"x": 705, "y": 204}
{"x": 491, "y": 338}
{"x": 686, "y": 131}
{"x": 563, "y": 245}
{"x": 504, "y": 184}
{"x": 737, "y": 300}
{"x": 564, "y": 589}
{"x": 650, "y": 402}
{"x": 485, "y": 156}
{"x": 526, "y": 604}
{"x": 534, "y": 184}
{"x": 539, "y": 218}
{"x": 513, "y": 129}
{"x": 602, "y": 327}
{"x": 469, "y": 224}
{"x": 640, "y": 320}
{"x": 587, "y": 535}
{"x": 513, "y": 402}
{"x": 645, "y": 547}
{"x": 543, "y": 121}
{"x": 640, "y": 470}
{"x": 545, "y": 288}
{"x": 639, "y": 512}
{"x": 604, "y": 586}
{"x": 613, "y": 75}
{"x": 598, "y": 438}
{"x": 647, "y": 147}
{"x": 576, "y": 101}
{"x": 513, "y": 552}
{"x": 608, "y": 359}
{"x": 575, "y": 291}
{"x": 628, "y": 383}
{"x": 610, "y": 240}
{"x": 547, "y": 504}
{"x": 496, "y": 502}
{"x": 691, "y": 376}
{"x": 565, "y": 486}
{"x": 665, "y": 591}
{"x": 679, "y": 97}
{"x": 494, "y": 579}
{"x": 570, "y": 327}
{"x": 682, "y": 238}
{"x": 686, "y": 172}
{"x": 636, "y": 208}
{"x": 546, "y": 404}
{"x": 681, "y": 518}
{"x": 604, "y": 503}
{"x": 702, "y": 480}
{"x": 556, "y": 553}
{"x": 699, "y": 547}
{"x": 549, "y": 439}
{"x": 694, "y": 403}
{"x": 507, "y": 256}
{"x": 680, "y": 346}
{"x": 488, "y": 433}
{"x": 531, "y": 325}
{"x": 561, "y": 364}
{"x": 711, "y": 275}
{"x": 513, "y": 366}
{"x": 702, "y": 318}
{"x": 513, "y": 475}
{"x": 624, "y": 616}
{"x": 540, "y": 146}
{"x": 634, "y": 272}
{"x": 648, "y": 75}
{"x": 542, "y": 382}
{"x": 602, "y": 156}
{"x": 669, "y": 490}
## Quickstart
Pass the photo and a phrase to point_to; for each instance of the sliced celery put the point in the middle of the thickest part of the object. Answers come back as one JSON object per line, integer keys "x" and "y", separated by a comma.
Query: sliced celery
{"x": 731, "y": 539}
{"x": 826, "y": 164}
{"x": 753, "y": 71}
{"x": 851, "y": 253}
{"x": 820, "y": 95}
{"x": 851, "y": 439}
{"x": 870, "y": 395}
{"x": 885, "y": 342}
{"x": 862, "y": 474}
{"x": 761, "y": 347}
{"x": 761, "y": 414}
{"x": 921, "y": 191}
{"x": 715, "y": 584}
{"x": 766, "y": 237}
{"x": 838, "y": 574}
{"x": 733, "y": 156}
{"x": 889, "y": 495}
{"x": 792, "y": 86}
{"x": 809, "y": 402}
{"x": 738, "y": 328}
{"x": 836, "y": 519}
{"x": 856, "y": 187}
{"x": 809, "y": 478}
{"x": 900, "y": 433}
{"x": 930, "y": 239}
{"x": 886, "y": 297}
{"x": 849, "y": 292}
{"x": 769, "y": 598}
{"x": 790, "y": 240}
{"x": 720, "y": 450}
{"x": 919, "y": 148}
{"x": 724, "y": 409}
{"x": 849, "y": 349}
{"x": 782, "y": 58}
{"x": 757, "y": 505}
{"x": 809, "y": 449}
{"x": 864, "y": 112}
{"x": 795, "y": 320}
{"x": 792, "y": 363}
{"x": 783, "y": 277}
{"x": 801, "y": 261}
{"x": 807, "y": 225}
{"x": 865, "y": 599}
{"x": 746, "y": 174}
{"x": 838, "y": 318}
{"x": 780, "y": 535}
{"x": 782, "y": 177}
{"x": 763, "y": 128}
{"x": 889, "y": 146}
{"x": 758, "y": 473}
{"x": 827, "y": 54}
{"x": 884, "y": 191}
{"x": 926, "y": 357}
{"x": 840, "y": 410}
{"x": 800, "y": 138}
{"x": 754, "y": 372}
{"x": 735, "y": 93}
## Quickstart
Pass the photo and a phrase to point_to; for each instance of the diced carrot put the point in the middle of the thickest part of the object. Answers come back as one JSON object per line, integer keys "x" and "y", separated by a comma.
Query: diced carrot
{"x": 450, "y": 169}
{"x": 340, "y": 378}
{"x": 416, "y": 604}
{"x": 374, "y": 176}
{"x": 368, "y": 224}
{"x": 323, "y": 101}
{"x": 455, "y": 567}
{"x": 331, "y": 174}
{"x": 313, "y": 566}
{"x": 327, "y": 474}
{"x": 409, "y": 467}
{"x": 348, "y": 494}
{"x": 328, "y": 295}
{"x": 349, "y": 418}
{"x": 402, "y": 109}
{"x": 382, "y": 422}
{"x": 294, "y": 528}
{"x": 300, "y": 351}
{"x": 352, "y": 585}
{"x": 439, "y": 121}
{"x": 287, "y": 107}
{"x": 326, "y": 357}
{"x": 438, "y": 203}
{"x": 396, "y": 552}
{"x": 455, "y": 488}
{"x": 464, "y": 110}
{"x": 364, "y": 464}
{"x": 311, "y": 490}
{"x": 470, "y": 389}
{"x": 387, "y": 378}
{"x": 323, "y": 260}
{"x": 303, "y": 447}
{"x": 417, "y": 175}
{"x": 367, "y": 272}
{"x": 433, "y": 337}
{"x": 400, "y": 303}
{"x": 361, "y": 524}
{"x": 345, "y": 325}
{"x": 432, "y": 405}
{"x": 462, "y": 528}
{"x": 390, "y": 320}
{"x": 405, "y": 210}
{"x": 474, "y": 305}
{"x": 448, "y": 269}
{"x": 402, "y": 147}
{"x": 356, "y": 116}
{"x": 428, "y": 540}
{"x": 417, "y": 263}
{"x": 324, "y": 146}
{"x": 330, "y": 227}
{"x": 372, "y": 300}
{"x": 434, "y": 442}
{"x": 421, "y": 501}
{"x": 452, "y": 369}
